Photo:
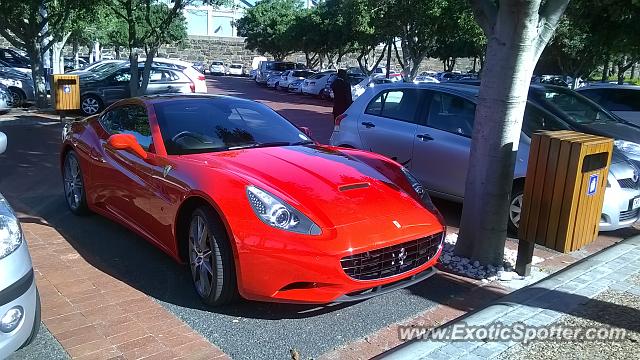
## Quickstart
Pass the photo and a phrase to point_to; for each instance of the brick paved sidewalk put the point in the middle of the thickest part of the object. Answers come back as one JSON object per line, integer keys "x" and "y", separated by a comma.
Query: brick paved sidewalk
{"x": 95, "y": 316}
{"x": 541, "y": 304}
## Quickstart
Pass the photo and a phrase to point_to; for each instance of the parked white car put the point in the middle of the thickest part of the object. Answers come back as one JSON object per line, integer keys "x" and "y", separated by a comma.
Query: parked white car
{"x": 292, "y": 75}
{"x": 235, "y": 70}
{"x": 622, "y": 100}
{"x": 314, "y": 84}
{"x": 217, "y": 68}
{"x": 187, "y": 68}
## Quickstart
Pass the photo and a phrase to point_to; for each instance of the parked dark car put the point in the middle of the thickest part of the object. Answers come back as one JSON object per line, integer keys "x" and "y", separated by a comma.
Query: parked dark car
{"x": 14, "y": 59}
{"x": 97, "y": 93}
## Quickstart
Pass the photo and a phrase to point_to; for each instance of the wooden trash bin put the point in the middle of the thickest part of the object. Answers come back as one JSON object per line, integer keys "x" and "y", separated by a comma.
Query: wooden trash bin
{"x": 564, "y": 189}
{"x": 66, "y": 92}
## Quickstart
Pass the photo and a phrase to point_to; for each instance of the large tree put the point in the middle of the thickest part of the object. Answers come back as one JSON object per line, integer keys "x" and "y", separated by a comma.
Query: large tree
{"x": 35, "y": 26}
{"x": 267, "y": 27}
{"x": 517, "y": 32}
{"x": 150, "y": 24}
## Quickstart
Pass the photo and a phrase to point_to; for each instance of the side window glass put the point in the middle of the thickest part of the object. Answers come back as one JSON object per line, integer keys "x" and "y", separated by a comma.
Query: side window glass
{"x": 537, "y": 120}
{"x": 452, "y": 114}
{"x": 136, "y": 123}
{"x": 624, "y": 100}
{"x": 129, "y": 119}
{"x": 122, "y": 76}
{"x": 395, "y": 104}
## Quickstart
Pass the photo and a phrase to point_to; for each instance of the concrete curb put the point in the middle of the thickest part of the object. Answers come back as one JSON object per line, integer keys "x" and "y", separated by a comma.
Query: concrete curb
{"x": 541, "y": 303}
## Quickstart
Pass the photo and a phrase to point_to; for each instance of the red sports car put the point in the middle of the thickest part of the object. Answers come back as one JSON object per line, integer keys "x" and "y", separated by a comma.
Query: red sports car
{"x": 250, "y": 202}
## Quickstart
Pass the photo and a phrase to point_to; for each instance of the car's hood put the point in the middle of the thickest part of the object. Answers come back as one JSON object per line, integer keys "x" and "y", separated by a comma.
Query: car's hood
{"x": 616, "y": 131}
{"x": 330, "y": 184}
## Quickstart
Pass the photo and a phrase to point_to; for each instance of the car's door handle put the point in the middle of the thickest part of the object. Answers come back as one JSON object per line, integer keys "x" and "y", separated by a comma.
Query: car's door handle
{"x": 368, "y": 124}
{"x": 424, "y": 137}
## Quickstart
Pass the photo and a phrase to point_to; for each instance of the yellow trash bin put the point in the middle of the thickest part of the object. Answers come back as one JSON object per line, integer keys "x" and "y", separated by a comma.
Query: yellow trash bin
{"x": 564, "y": 189}
{"x": 66, "y": 92}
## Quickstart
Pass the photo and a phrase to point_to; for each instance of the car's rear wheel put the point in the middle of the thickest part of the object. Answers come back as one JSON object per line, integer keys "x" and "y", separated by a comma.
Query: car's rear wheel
{"x": 515, "y": 209}
{"x": 17, "y": 97}
{"x": 90, "y": 105}
{"x": 211, "y": 259}
{"x": 74, "y": 192}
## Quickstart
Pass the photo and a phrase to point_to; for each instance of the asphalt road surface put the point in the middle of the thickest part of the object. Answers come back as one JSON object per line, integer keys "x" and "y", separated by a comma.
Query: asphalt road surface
{"x": 30, "y": 180}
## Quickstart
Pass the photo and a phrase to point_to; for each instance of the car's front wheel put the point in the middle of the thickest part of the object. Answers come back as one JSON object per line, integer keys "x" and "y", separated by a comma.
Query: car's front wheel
{"x": 211, "y": 259}
{"x": 74, "y": 184}
{"x": 90, "y": 105}
{"x": 515, "y": 209}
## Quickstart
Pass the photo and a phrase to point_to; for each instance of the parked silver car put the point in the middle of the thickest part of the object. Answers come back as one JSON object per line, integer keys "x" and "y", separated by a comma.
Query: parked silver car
{"x": 19, "y": 83}
{"x": 427, "y": 128}
{"x": 19, "y": 299}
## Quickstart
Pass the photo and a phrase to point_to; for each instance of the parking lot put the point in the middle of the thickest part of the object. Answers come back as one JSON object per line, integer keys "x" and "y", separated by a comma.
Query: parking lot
{"x": 30, "y": 180}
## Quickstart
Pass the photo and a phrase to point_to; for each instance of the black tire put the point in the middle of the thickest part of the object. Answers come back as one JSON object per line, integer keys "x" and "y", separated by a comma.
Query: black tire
{"x": 18, "y": 97}
{"x": 222, "y": 284}
{"x": 36, "y": 322}
{"x": 73, "y": 185}
{"x": 90, "y": 105}
{"x": 515, "y": 201}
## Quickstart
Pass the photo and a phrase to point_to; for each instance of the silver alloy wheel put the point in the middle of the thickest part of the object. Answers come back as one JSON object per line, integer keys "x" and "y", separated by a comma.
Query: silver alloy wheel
{"x": 515, "y": 209}
{"x": 15, "y": 99}
{"x": 90, "y": 105}
{"x": 73, "y": 186}
{"x": 200, "y": 256}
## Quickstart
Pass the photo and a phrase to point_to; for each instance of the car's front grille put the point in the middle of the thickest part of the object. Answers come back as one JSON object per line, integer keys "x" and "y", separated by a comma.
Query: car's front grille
{"x": 628, "y": 183}
{"x": 392, "y": 260}
{"x": 628, "y": 215}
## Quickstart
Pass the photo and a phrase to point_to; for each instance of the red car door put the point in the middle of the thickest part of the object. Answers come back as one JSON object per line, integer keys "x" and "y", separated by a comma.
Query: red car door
{"x": 131, "y": 188}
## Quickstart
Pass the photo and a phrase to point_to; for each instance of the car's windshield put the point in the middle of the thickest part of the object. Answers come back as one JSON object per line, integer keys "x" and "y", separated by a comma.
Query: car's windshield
{"x": 235, "y": 66}
{"x": 216, "y": 63}
{"x": 279, "y": 66}
{"x": 221, "y": 124}
{"x": 575, "y": 106}
{"x": 302, "y": 73}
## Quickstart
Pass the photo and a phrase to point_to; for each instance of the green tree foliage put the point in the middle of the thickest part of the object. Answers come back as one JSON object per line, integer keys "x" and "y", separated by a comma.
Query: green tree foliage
{"x": 268, "y": 27}
{"x": 149, "y": 24}
{"x": 458, "y": 34}
{"x": 35, "y": 26}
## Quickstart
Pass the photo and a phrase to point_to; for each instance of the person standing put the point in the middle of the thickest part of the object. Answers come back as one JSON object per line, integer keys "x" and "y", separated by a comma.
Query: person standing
{"x": 341, "y": 93}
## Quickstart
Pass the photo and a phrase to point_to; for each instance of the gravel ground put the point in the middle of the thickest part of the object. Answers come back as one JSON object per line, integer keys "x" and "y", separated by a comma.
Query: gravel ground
{"x": 45, "y": 346}
{"x": 610, "y": 308}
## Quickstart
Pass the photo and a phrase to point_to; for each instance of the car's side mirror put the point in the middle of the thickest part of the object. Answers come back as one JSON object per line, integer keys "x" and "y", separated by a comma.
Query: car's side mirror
{"x": 127, "y": 142}
{"x": 306, "y": 131}
{"x": 3, "y": 142}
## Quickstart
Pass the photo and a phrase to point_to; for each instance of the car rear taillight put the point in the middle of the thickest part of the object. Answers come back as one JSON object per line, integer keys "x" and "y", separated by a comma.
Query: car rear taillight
{"x": 192, "y": 87}
{"x": 201, "y": 77}
{"x": 339, "y": 118}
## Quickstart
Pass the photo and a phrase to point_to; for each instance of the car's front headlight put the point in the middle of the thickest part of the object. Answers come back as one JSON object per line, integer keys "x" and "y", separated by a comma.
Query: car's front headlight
{"x": 420, "y": 190}
{"x": 10, "y": 232}
{"x": 277, "y": 213}
{"x": 628, "y": 147}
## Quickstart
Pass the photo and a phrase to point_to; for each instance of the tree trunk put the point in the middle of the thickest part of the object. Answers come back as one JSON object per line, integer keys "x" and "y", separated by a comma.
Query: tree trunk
{"x": 37, "y": 73}
{"x": 134, "y": 82}
{"x": 605, "y": 68}
{"x": 633, "y": 71}
{"x": 117, "y": 52}
{"x": 621, "y": 70}
{"x": 515, "y": 43}
{"x": 388, "y": 66}
{"x": 146, "y": 71}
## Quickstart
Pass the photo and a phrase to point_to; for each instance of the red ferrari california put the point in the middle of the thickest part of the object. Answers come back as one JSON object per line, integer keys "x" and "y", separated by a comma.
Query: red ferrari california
{"x": 250, "y": 202}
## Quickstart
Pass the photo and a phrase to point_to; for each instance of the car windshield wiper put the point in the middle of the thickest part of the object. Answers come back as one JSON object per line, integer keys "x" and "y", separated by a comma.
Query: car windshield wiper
{"x": 270, "y": 144}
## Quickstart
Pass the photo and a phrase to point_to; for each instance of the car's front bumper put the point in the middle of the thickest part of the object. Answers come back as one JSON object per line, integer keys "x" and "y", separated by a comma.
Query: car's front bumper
{"x": 304, "y": 269}
{"x": 617, "y": 211}
{"x": 18, "y": 289}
